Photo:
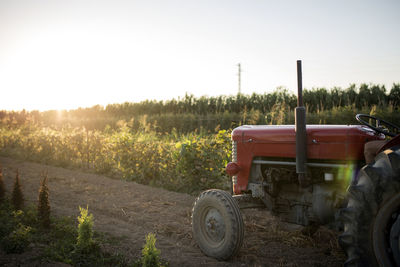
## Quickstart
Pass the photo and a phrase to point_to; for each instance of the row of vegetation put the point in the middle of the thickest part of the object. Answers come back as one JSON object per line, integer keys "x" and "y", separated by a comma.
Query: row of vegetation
{"x": 186, "y": 163}
{"x": 316, "y": 99}
{"x": 190, "y": 113}
{"x": 176, "y": 147}
{"x": 60, "y": 240}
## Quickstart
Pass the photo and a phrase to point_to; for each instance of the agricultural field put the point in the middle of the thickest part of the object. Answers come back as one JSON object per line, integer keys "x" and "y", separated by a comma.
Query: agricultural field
{"x": 128, "y": 211}
{"x": 139, "y": 166}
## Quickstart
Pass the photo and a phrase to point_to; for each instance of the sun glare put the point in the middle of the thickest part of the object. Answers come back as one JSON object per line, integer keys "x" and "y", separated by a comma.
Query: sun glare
{"x": 65, "y": 55}
{"x": 67, "y": 70}
{"x": 63, "y": 71}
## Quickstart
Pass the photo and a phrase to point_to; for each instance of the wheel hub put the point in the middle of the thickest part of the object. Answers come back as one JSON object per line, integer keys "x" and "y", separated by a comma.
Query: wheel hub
{"x": 215, "y": 225}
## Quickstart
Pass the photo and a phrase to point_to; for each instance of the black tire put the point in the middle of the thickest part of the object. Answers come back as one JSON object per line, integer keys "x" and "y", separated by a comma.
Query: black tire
{"x": 217, "y": 224}
{"x": 371, "y": 219}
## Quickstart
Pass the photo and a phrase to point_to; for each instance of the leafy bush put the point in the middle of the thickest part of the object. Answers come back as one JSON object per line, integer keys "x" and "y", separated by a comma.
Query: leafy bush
{"x": 200, "y": 163}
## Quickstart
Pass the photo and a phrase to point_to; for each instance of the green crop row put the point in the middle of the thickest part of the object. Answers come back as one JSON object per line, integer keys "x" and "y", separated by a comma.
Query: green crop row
{"x": 185, "y": 163}
{"x": 142, "y": 151}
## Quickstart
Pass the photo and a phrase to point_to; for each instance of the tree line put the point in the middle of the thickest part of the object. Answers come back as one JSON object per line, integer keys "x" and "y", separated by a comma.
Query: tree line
{"x": 189, "y": 113}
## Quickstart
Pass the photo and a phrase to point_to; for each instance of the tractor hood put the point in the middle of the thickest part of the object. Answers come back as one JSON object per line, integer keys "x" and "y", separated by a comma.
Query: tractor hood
{"x": 340, "y": 142}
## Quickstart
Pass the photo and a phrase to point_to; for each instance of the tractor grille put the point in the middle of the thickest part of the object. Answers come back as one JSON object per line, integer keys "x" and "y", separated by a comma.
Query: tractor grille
{"x": 234, "y": 151}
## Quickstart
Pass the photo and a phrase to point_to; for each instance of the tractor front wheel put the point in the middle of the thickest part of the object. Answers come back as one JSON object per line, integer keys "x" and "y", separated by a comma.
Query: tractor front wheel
{"x": 217, "y": 224}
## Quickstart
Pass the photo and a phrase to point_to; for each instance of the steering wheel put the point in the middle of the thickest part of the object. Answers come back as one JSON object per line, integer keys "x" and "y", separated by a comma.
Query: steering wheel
{"x": 381, "y": 126}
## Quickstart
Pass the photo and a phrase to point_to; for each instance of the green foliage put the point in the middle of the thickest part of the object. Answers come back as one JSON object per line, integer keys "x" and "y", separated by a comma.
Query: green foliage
{"x": 18, "y": 240}
{"x": 96, "y": 257}
{"x": 44, "y": 204}
{"x": 30, "y": 216}
{"x": 61, "y": 240}
{"x": 15, "y": 229}
{"x": 181, "y": 162}
{"x": 17, "y": 197}
{"x": 2, "y": 187}
{"x": 200, "y": 163}
{"x": 87, "y": 251}
{"x": 150, "y": 254}
{"x": 85, "y": 230}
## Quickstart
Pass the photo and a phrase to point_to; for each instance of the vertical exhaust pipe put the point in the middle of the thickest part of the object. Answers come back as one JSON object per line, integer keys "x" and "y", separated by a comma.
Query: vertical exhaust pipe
{"x": 301, "y": 133}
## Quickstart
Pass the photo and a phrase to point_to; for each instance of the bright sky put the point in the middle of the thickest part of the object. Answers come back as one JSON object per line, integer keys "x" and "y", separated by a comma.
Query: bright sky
{"x": 58, "y": 54}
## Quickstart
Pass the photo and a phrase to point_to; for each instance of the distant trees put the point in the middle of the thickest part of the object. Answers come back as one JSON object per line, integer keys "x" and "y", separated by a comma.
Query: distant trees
{"x": 189, "y": 112}
{"x": 315, "y": 99}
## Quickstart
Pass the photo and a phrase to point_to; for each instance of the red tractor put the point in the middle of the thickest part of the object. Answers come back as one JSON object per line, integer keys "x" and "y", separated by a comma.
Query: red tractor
{"x": 310, "y": 175}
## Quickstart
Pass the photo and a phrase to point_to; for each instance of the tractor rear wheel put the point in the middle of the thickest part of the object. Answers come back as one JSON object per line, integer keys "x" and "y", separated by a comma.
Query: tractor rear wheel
{"x": 372, "y": 217}
{"x": 217, "y": 224}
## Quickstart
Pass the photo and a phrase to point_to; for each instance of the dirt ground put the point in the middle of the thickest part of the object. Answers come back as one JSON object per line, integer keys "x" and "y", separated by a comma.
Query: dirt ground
{"x": 129, "y": 211}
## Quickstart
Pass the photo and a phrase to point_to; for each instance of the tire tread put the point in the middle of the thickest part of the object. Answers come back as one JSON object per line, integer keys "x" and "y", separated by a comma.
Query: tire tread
{"x": 235, "y": 217}
{"x": 377, "y": 182}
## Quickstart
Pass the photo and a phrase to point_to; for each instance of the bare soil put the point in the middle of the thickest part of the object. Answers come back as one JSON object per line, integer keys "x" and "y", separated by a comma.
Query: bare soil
{"x": 129, "y": 211}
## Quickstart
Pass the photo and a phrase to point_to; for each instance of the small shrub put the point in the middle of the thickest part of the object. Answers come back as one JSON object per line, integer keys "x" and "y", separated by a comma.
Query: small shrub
{"x": 150, "y": 254}
{"x": 43, "y": 203}
{"x": 17, "y": 197}
{"x": 18, "y": 240}
{"x": 87, "y": 251}
{"x": 2, "y": 187}
{"x": 85, "y": 230}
